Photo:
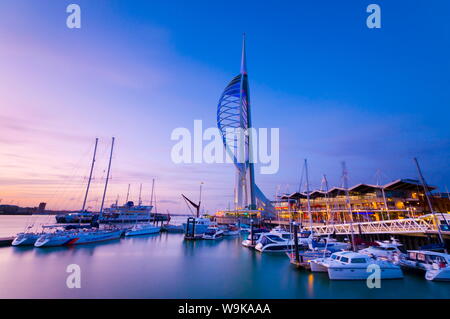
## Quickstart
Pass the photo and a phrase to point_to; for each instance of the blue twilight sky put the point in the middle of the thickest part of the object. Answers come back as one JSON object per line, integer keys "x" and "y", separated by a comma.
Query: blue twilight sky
{"x": 138, "y": 69}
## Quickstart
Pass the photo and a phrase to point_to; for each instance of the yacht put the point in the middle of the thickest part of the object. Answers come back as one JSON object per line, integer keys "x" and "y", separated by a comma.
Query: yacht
{"x": 435, "y": 265}
{"x": 256, "y": 236}
{"x": 348, "y": 265}
{"x": 76, "y": 237}
{"x": 213, "y": 232}
{"x": 277, "y": 240}
{"x": 128, "y": 213}
{"x": 270, "y": 242}
{"x": 142, "y": 229}
{"x": 387, "y": 250}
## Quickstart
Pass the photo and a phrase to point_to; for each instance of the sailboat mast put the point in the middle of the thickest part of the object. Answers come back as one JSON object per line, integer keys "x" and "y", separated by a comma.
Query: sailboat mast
{"x": 307, "y": 196}
{"x": 347, "y": 199}
{"x": 326, "y": 197}
{"x": 153, "y": 188}
{"x": 90, "y": 175}
{"x": 200, "y": 200}
{"x": 140, "y": 193}
{"x": 128, "y": 193}
{"x": 107, "y": 176}
{"x": 425, "y": 190}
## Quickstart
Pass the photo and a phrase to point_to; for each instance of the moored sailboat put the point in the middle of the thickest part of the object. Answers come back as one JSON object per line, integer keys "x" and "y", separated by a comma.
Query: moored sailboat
{"x": 79, "y": 235}
{"x": 146, "y": 228}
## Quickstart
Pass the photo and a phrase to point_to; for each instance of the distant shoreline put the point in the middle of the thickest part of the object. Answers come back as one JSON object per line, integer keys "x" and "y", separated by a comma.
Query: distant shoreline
{"x": 60, "y": 213}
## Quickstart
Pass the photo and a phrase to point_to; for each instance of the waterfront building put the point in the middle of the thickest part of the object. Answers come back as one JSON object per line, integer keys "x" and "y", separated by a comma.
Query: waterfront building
{"x": 402, "y": 198}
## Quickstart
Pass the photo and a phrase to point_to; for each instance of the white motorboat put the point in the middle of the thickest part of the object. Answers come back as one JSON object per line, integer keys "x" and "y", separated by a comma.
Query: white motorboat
{"x": 26, "y": 239}
{"x": 277, "y": 240}
{"x": 77, "y": 237}
{"x": 317, "y": 264}
{"x": 348, "y": 265}
{"x": 435, "y": 265}
{"x": 256, "y": 236}
{"x": 273, "y": 242}
{"x": 388, "y": 250}
{"x": 213, "y": 232}
{"x": 142, "y": 229}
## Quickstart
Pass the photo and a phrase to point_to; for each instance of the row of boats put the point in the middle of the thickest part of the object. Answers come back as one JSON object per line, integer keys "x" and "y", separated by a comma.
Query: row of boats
{"x": 341, "y": 263}
{"x": 52, "y": 236}
{"x": 319, "y": 254}
{"x": 134, "y": 219}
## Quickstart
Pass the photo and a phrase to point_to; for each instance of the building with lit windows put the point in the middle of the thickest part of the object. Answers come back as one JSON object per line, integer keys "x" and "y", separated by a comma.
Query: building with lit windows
{"x": 402, "y": 198}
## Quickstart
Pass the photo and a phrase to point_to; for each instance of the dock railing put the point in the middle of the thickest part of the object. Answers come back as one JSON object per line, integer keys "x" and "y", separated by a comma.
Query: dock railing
{"x": 407, "y": 225}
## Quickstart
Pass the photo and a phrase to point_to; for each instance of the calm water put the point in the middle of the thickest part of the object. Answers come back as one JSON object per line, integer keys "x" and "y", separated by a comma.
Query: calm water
{"x": 165, "y": 266}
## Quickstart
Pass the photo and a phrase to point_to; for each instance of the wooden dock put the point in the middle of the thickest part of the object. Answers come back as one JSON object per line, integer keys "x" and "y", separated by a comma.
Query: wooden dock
{"x": 6, "y": 241}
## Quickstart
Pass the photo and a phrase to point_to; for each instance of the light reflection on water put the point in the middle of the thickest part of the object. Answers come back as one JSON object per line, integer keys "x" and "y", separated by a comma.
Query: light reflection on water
{"x": 166, "y": 266}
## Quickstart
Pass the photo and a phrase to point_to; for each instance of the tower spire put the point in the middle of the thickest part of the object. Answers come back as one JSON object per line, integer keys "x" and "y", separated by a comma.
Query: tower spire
{"x": 243, "y": 59}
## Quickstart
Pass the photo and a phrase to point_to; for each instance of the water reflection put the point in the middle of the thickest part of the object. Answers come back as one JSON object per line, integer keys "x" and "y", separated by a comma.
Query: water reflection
{"x": 166, "y": 266}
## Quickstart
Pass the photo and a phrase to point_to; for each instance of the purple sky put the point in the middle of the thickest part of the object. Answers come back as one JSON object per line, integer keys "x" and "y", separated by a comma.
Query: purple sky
{"x": 136, "y": 71}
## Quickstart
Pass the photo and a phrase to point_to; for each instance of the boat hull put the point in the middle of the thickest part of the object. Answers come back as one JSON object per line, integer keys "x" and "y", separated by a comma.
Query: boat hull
{"x": 216, "y": 236}
{"x": 357, "y": 273}
{"x": 442, "y": 274}
{"x": 273, "y": 248}
{"x": 25, "y": 240}
{"x": 316, "y": 266}
{"x": 77, "y": 238}
{"x": 146, "y": 231}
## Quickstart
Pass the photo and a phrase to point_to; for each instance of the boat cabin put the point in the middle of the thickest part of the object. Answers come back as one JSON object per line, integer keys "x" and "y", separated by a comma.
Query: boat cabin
{"x": 348, "y": 257}
{"x": 429, "y": 257}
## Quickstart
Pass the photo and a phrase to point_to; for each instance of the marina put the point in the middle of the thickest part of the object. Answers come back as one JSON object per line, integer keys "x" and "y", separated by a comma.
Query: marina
{"x": 298, "y": 244}
{"x": 162, "y": 152}
{"x": 164, "y": 265}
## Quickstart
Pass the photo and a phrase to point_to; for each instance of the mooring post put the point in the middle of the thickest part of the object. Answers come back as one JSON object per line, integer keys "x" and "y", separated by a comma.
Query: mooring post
{"x": 297, "y": 255}
{"x": 193, "y": 228}
{"x": 251, "y": 232}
